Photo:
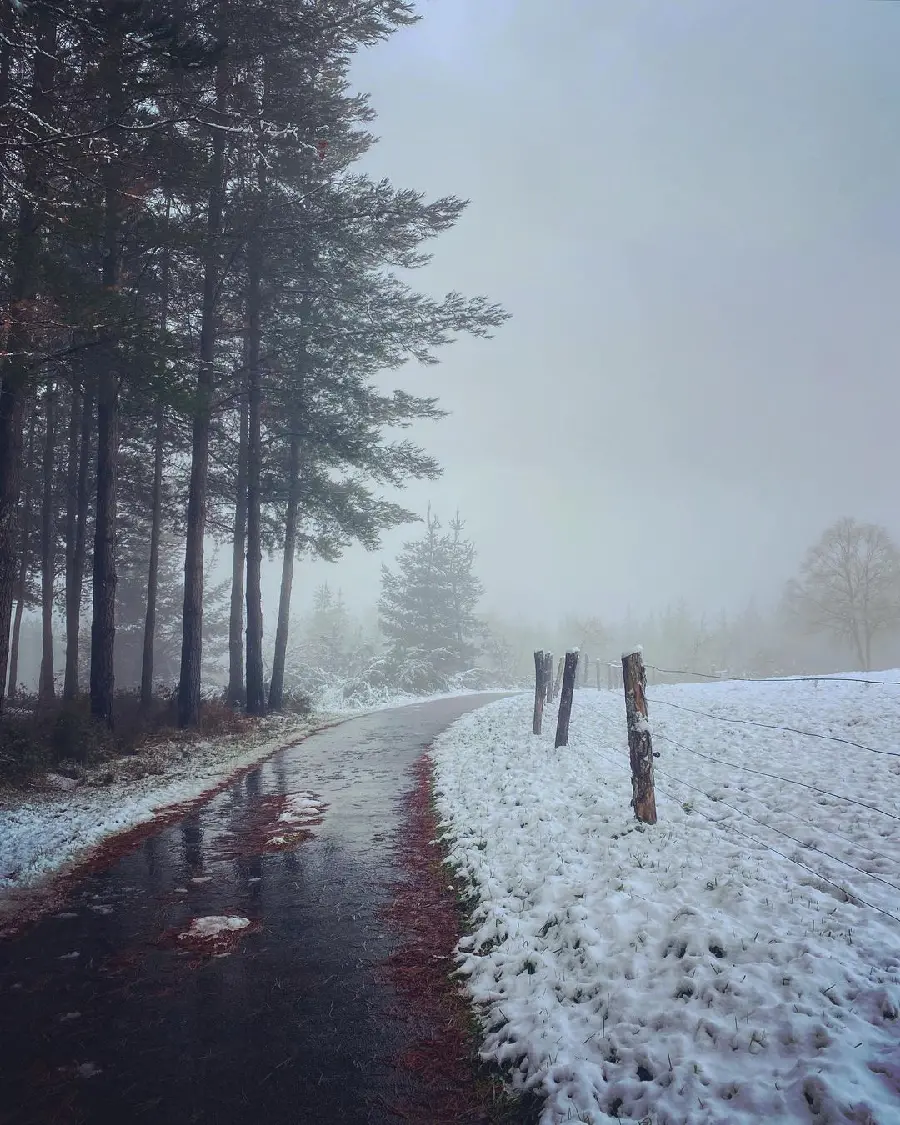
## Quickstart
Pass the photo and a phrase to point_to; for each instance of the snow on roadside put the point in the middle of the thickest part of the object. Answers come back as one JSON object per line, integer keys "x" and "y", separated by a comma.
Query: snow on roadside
{"x": 334, "y": 703}
{"x": 46, "y": 832}
{"x": 709, "y": 969}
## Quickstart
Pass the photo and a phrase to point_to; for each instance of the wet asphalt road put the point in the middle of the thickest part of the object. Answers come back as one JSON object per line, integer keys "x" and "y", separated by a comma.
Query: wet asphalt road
{"x": 102, "y": 1021}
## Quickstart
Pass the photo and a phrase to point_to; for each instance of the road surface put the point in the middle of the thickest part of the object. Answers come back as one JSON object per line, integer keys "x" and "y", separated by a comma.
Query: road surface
{"x": 109, "y": 1013}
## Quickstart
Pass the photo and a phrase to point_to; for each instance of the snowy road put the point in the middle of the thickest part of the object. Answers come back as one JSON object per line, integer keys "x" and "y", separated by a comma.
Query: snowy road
{"x": 226, "y": 968}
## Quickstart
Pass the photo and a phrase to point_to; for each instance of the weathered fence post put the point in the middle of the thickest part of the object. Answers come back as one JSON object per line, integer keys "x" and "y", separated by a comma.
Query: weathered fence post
{"x": 538, "y": 691}
{"x": 565, "y": 700}
{"x": 548, "y": 677}
{"x": 640, "y": 744}
{"x": 598, "y": 675}
{"x": 559, "y": 676}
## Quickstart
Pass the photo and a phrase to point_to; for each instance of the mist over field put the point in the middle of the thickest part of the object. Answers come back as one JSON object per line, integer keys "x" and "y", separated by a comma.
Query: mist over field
{"x": 683, "y": 220}
{"x": 688, "y": 210}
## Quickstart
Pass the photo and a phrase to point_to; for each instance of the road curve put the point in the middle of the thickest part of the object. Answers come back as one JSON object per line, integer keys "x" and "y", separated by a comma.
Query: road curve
{"x": 108, "y": 1013}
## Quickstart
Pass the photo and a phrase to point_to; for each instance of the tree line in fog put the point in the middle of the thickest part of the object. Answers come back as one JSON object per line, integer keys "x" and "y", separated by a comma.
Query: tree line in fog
{"x": 200, "y": 292}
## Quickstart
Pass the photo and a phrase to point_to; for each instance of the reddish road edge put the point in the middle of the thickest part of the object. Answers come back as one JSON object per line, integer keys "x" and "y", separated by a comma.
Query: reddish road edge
{"x": 449, "y": 1085}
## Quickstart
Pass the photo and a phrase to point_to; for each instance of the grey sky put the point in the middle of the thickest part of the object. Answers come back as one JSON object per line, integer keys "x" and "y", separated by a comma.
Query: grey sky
{"x": 692, "y": 210}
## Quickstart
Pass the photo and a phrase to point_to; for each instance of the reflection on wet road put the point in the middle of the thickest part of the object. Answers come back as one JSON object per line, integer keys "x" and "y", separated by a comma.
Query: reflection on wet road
{"x": 116, "y": 1010}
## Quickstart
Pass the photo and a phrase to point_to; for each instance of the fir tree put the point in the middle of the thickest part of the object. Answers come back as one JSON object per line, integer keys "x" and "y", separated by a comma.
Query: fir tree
{"x": 329, "y": 652}
{"x": 329, "y": 625}
{"x": 427, "y": 609}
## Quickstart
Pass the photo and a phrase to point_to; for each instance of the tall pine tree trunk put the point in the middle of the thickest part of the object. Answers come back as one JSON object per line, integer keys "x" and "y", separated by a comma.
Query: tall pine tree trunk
{"x": 236, "y": 694}
{"x": 75, "y": 573}
{"x": 48, "y": 546}
{"x": 153, "y": 567}
{"x": 17, "y": 628}
{"x": 276, "y": 688}
{"x": 103, "y": 625}
{"x": 192, "y": 614}
{"x": 156, "y": 500}
{"x": 22, "y": 290}
{"x": 21, "y": 589}
{"x": 12, "y": 411}
{"x": 7, "y": 25}
{"x": 76, "y": 407}
{"x": 256, "y": 698}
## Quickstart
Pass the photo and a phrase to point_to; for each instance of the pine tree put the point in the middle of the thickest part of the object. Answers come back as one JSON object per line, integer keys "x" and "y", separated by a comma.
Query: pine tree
{"x": 328, "y": 630}
{"x": 427, "y": 609}
{"x": 329, "y": 653}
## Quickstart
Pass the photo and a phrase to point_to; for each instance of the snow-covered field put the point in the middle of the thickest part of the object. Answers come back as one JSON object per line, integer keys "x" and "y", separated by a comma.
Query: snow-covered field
{"x": 737, "y": 963}
{"x": 48, "y": 831}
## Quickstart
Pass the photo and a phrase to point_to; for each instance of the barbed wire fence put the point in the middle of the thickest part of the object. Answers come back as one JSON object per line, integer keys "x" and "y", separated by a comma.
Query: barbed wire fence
{"x": 632, "y": 677}
{"x": 806, "y": 851}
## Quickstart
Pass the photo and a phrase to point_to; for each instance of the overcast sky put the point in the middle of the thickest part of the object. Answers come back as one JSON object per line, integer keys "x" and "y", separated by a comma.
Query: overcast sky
{"x": 692, "y": 211}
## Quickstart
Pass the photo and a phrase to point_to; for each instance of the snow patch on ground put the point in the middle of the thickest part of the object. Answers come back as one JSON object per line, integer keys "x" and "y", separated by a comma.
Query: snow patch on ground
{"x": 213, "y": 925}
{"x": 300, "y": 807}
{"x": 214, "y": 935}
{"x": 718, "y": 967}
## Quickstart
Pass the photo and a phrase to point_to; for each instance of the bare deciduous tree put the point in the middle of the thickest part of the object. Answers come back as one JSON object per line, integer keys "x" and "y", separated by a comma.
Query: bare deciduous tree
{"x": 849, "y": 585}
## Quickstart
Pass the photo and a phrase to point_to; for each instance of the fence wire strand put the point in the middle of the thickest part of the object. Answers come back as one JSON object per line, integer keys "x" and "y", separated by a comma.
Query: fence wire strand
{"x": 773, "y": 726}
{"x": 723, "y": 822}
{"x": 776, "y": 777}
{"x": 728, "y": 824}
{"x": 783, "y": 812}
{"x": 850, "y": 896}
{"x": 781, "y": 832}
{"x": 825, "y": 678}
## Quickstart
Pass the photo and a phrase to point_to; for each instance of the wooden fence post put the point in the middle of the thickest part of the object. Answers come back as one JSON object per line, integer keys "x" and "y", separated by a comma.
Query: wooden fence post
{"x": 538, "y": 691}
{"x": 548, "y": 677}
{"x": 640, "y": 744}
{"x": 565, "y": 700}
{"x": 598, "y": 675}
{"x": 559, "y": 676}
